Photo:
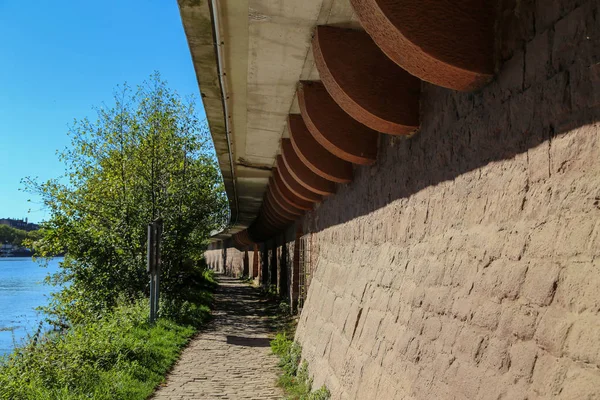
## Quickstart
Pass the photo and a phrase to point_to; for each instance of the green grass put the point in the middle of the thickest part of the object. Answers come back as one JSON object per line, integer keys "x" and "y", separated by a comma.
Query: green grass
{"x": 295, "y": 380}
{"x": 120, "y": 356}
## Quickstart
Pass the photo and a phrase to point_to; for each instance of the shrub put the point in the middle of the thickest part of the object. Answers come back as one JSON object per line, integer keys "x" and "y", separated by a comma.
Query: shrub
{"x": 119, "y": 356}
{"x": 295, "y": 380}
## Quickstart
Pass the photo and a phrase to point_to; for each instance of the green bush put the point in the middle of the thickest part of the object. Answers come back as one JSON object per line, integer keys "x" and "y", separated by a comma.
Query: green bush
{"x": 295, "y": 380}
{"x": 119, "y": 356}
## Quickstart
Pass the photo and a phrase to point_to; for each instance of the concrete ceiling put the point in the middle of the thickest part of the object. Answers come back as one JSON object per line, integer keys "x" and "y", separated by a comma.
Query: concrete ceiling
{"x": 265, "y": 47}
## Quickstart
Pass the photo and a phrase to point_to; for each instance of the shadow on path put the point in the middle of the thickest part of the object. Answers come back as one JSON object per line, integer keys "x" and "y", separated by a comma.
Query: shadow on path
{"x": 230, "y": 358}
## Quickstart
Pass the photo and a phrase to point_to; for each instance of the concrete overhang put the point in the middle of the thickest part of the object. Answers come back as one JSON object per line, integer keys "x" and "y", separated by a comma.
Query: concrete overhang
{"x": 249, "y": 56}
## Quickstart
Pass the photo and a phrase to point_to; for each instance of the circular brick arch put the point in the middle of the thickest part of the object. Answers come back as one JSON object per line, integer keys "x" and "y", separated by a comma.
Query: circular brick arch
{"x": 314, "y": 155}
{"x": 364, "y": 82}
{"x": 278, "y": 199}
{"x": 302, "y": 174}
{"x": 333, "y": 128}
{"x": 274, "y": 218}
{"x": 288, "y": 195}
{"x": 293, "y": 185}
{"x": 446, "y": 43}
{"x": 276, "y": 211}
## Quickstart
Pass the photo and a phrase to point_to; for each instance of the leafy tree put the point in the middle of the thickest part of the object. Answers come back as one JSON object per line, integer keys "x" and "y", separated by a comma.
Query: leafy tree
{"x": 148, "y": 156}
{"x": 11, "y": 235}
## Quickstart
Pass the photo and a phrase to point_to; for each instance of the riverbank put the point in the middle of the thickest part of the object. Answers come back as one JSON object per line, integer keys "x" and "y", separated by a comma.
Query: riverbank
{"x": 22, "y": 290}
{"x": 120, "y": 356}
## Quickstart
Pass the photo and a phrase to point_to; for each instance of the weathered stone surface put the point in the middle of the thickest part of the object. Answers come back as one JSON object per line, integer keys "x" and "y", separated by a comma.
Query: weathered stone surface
{"x": 464, "y": 264}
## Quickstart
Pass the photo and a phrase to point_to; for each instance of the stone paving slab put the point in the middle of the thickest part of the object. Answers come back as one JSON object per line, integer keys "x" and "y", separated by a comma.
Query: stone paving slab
{"x": 231, "y": 358}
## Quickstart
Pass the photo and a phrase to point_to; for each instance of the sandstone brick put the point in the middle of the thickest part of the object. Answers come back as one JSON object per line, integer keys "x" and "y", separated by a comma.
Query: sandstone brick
{"x": 501, "y": 282}
{"x": 571, "y": 37}
{"x": 574, "y": 236}
{"x": 552, "y": 330}
{"x": 495, "y": 356}
{"x": 537, "y": 59}
{"x": 518, "y": 321}
{"x": 580, "y": 383}
{"x": 548, "y": 376}
{"x": 470, "y": 342}
{"x": 510, "y": 81}
{"x": 541, "y": 282}
{"x": 523, "y": 355}
{"x": 337, "y": 353}
{"x": 585, "y": 86}
{"x": 547, "y": 12}
{"x": 542, "y": 239}
{"x": 467, "y": 381}
{"x": 583, "y": 342}
{"x": 578, "y": 287}
{"x": 487, "y": 315}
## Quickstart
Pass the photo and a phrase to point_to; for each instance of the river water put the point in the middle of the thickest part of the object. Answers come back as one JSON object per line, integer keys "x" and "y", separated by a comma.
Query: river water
{"x": 21, "y": 291}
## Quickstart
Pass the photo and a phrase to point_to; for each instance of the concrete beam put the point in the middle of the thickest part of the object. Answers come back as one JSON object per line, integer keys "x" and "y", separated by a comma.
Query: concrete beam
{"x": 333, "y": 128}
{"x": 314, "y": 155}
{"x": 364, "y": 82}
{"x": 447, "y": 43}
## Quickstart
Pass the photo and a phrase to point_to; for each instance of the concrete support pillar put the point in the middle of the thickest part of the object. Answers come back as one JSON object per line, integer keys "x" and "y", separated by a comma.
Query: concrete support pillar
{"x": 246, "y": 271}
{"x": 282, "y": 281}
{"x": 364, "y": 82}
{"x": 255, "y": 261}
{"x": 447, "y": 43}
{"x": 265, "y": 264}
{"x": 273, "y": 262}
{"x": 295, "y": 271}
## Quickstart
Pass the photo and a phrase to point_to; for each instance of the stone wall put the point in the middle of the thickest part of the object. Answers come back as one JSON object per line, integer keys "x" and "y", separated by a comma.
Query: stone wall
{"x": 227, "y": 260}
{"x": 465, "y": 263}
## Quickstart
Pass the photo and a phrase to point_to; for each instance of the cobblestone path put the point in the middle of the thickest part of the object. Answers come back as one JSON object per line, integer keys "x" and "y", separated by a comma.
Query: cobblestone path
{"x": 231, "y": 358}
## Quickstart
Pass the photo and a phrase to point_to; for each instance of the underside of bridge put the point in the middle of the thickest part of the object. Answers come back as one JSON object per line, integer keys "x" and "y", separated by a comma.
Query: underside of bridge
{"x": 421, "y": 179}
{"x": 297, "y": 92}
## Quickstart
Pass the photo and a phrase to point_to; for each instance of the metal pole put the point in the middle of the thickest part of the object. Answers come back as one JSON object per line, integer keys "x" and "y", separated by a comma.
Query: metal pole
{"x": 157, "y": 265}
{"x": 150, "y": 269}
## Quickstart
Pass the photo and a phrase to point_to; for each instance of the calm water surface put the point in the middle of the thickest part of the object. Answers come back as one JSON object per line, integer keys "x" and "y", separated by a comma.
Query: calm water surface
{"x": 21, "y": 291}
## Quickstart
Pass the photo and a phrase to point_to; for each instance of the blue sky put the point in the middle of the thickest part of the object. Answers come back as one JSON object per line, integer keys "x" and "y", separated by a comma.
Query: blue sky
{"x": 60, "y": 58}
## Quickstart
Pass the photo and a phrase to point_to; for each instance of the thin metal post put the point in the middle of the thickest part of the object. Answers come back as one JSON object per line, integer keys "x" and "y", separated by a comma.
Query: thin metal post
{"x": 150, "y": 260}
{"x": 158, "y": 227}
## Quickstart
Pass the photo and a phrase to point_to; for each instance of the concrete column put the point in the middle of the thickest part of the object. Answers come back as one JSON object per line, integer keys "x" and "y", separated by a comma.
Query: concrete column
{"x": 265, "y": 264}
{"x": 255, "y": 261}
{"x": 246, "y": 264}
{"x": 273, "y": 262}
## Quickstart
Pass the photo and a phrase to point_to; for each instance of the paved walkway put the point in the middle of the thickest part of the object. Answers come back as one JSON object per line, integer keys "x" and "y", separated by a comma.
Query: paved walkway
{"x": 231, "y": 358}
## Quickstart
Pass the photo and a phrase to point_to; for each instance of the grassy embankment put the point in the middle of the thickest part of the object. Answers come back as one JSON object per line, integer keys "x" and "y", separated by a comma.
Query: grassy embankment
{"x": 294, "y": 380}
{"x": 119, "y": 356}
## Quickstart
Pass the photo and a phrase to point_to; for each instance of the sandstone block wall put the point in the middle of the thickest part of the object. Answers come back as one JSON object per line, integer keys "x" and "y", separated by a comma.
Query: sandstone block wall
{"x": 465, "y": 264}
